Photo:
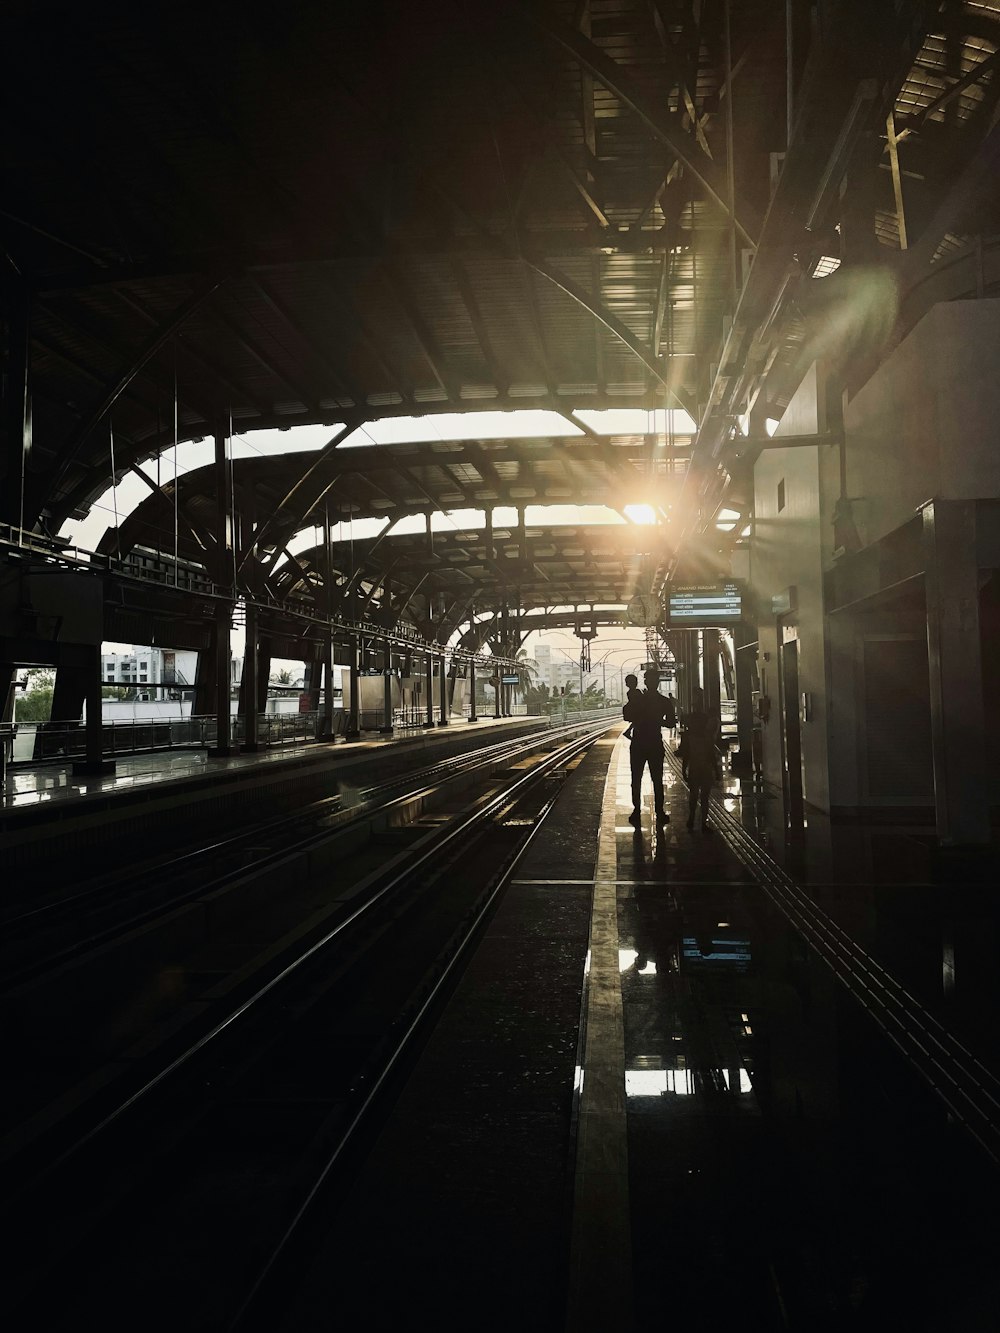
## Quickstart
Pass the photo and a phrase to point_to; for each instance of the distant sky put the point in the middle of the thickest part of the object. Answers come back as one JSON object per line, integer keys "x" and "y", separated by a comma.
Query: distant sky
{"x": 622, "y": 646}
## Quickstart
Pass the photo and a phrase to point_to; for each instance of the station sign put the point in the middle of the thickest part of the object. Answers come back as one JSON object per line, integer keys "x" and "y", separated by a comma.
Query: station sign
{"x": 704, "y": 605}
{"x": 510, "y": 680}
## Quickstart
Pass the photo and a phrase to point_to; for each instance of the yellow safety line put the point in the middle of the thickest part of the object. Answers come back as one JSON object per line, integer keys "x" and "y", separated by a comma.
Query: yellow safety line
{"x": 600, "y": 1279}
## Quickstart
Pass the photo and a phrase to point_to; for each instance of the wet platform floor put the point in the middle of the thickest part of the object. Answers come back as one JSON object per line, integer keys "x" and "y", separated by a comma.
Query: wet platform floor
{"x": 637, "y": 1110}
{"x": 34, "y": 786}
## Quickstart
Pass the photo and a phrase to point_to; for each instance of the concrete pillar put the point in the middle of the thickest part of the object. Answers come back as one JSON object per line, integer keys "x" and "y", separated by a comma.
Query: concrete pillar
{"x": 354, "y": 713}
{"x": 386, "y": 727}
{"x": 473, "y": 715}
{"x": 954, "y": 663}
{"x": 249, "y": 690}
{"x": 94, "y": 761}
{"x": 430, "y": 691}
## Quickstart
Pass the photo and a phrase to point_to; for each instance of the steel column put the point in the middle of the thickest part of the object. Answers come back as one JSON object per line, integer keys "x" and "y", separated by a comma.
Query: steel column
{"x": 224, "y": 575}
{"x": 326, "y": 729}
{"x": 443, "y": 690}
{"x": 354, "y": 716}
{"x": 16, "y": 423}
{"x": 250, "y": 686}
{"x": 94, "y": 761}
{"x": 326, "y": 726}
{"x": 386, "y": 727}
{"x": 473, "y": 715}
{"x": 710, "y": 660}
{"x": 222, "y": 659}
{"x": 430, "y": 690}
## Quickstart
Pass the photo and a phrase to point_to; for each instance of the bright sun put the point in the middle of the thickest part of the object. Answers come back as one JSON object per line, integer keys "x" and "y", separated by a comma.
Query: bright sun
{"x": 641, "y": 513}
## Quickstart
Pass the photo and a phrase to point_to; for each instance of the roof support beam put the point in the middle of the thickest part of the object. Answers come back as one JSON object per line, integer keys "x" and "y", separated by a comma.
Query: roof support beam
{"x": 618, "y": 82}
{"x": 305, "y": 394}
{"x": 645, "y": 354}
{"x": 500, "y": 378}
{"x": 311, "y": 474}
{"x": 116, "y": 387}
{"x": 310, "y": 341}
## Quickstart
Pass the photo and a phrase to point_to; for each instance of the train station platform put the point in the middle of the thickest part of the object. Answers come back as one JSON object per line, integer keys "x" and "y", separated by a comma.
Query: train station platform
{"x": 197, "y": 786}
{"x": 653, "y": 1102}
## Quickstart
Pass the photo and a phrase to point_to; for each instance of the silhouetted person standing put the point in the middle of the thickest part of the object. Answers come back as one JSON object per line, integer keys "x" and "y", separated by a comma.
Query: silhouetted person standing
{"x": 648, "y": 713}
{"x": 633, "y": 693}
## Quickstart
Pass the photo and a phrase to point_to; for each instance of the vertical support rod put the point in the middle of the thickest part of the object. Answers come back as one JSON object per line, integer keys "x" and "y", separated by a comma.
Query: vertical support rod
{"x": 443, "y": 690}
{"x": 897, "y": 180}
{"x": 473, "y": 715}
{"x": 430, "y": 690}
{"x": 326, "y": 731}
{"x": 223, "y": 657}
{"x": 223, "y": 572}
{"x": 354, "y": 716}
{"x": 386, "y": 727}
{"x": 250, "y": 682}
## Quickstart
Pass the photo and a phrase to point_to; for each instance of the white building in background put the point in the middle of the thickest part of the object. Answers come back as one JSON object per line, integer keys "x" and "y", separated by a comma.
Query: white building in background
{"x": 555, "y": 668}
{"x": 167, "y": 669}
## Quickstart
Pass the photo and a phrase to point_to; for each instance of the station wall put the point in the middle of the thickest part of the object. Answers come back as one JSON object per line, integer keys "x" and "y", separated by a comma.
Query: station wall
{"x": 927, "y": 423}
{"x": 790, "y": 545}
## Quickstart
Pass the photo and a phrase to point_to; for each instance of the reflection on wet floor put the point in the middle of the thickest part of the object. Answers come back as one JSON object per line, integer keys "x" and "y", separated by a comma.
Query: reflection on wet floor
{"x": 696, "y": 1136}
{"x": 40, "y": 783}
{"x": 763, "y": 1105}
{"x": 33, "y": 786}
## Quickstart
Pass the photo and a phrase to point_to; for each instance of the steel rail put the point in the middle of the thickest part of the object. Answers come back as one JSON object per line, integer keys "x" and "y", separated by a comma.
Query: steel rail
{"x": 248, "y": 1311}
{"x": 374, "y": 888}
{"x": 372, "y": 800}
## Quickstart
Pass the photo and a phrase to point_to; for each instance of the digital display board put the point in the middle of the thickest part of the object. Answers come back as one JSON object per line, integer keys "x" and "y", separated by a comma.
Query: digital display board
{"x": 704, "y": 605}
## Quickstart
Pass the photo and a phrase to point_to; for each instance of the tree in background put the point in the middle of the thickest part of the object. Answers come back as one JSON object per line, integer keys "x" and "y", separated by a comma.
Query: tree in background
{"x": 537, "y": 697}
{"x": 527, "y": 671}
{"x": 35, "y": 704}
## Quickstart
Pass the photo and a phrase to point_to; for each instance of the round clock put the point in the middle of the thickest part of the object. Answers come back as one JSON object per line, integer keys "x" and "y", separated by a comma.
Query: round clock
{"x": 643, "y": 609}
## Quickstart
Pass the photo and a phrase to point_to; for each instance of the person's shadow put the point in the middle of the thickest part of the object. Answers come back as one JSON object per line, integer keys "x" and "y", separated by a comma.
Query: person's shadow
{"x": 658, "y": 930}
{"x": 648, "y": 862}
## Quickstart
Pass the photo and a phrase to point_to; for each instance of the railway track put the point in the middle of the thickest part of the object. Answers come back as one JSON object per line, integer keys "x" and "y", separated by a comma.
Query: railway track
{"x": 130, "y": 893}
{"x": 310, "y": 1045}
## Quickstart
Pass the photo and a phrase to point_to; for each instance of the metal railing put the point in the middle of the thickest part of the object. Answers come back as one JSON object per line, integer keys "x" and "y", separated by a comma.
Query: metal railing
{"x": 59, "y": 742}
{"x": 56, "y": 742}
